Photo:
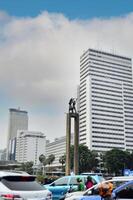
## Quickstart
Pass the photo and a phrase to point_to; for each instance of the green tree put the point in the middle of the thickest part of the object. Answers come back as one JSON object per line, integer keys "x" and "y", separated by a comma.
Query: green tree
{"x": 27, "y": 167}
{"x": 43, "y": 160}
{"x": 62, "y": 160}
{"x": 50, "y": 159}
{"x": 129, "y": 161}
{"x": 87, "y": 159}
{"x": 116, "y": 160}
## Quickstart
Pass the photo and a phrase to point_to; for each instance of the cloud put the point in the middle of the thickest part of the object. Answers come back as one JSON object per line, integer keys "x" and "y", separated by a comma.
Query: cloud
{"x": 40, "y": 60}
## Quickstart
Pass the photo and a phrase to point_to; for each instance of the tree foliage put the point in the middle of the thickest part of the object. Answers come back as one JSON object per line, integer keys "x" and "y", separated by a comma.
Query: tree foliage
{"x": 62, "y": 159}
{"x": 50, "y": 159}
{"x": 87, "y": 158}
{"x": 27, "y": 167}
{"x": 116, "y": 160}
{"x": 43, "y": 159}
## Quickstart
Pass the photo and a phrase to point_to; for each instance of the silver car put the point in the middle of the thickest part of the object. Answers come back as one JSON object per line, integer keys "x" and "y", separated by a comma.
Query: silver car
{"x": 17, "y": 186}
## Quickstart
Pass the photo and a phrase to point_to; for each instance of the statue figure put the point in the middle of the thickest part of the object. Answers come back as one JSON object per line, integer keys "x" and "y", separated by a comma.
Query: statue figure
{"x": 72, "y": 103}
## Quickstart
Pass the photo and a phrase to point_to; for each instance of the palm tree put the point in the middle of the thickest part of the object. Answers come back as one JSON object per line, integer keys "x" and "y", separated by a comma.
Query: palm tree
{"x": 50, "y": 159}
{"x": 62, "y": 160}
{"x": 43, "y": 160}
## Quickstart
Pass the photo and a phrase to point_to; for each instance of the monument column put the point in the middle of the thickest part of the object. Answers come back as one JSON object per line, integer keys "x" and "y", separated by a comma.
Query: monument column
{"x": 68, "y": 143}
{"x": 76, "y": 143}
{"x": 72, "y": 114}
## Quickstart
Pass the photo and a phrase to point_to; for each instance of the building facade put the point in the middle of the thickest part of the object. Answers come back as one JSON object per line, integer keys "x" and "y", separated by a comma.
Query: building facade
{"x": 106, "y": 101}
{"x": 57, "y": 148}
{"x": 29, "y": 146}
{"x": 18, "y": 120}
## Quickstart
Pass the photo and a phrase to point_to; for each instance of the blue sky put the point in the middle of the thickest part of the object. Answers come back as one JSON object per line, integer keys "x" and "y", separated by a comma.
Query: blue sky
{"x": 41, "y": 42}
{"x": 81, "y": 9}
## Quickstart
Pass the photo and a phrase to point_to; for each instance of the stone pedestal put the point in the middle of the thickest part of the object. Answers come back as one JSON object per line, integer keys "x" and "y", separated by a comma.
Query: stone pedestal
{"x": 76, "y": 142}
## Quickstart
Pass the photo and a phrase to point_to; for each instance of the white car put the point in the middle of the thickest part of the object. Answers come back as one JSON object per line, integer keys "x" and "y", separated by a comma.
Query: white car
{"x": 18, "y": 186}
{"x": 116, "y": 182}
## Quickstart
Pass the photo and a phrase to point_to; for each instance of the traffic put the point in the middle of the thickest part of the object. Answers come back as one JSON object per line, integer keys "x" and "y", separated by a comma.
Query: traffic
{"x": 87, "y": 186}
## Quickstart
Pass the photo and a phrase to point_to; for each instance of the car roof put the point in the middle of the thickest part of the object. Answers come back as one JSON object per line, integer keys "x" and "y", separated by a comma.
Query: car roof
{"x": 91, "y": 173}
{"x": 122, "y": 178}
{"x": 74, "y": 176}
{"x": 12, "y": 173}
{"x": 81, "y": 175}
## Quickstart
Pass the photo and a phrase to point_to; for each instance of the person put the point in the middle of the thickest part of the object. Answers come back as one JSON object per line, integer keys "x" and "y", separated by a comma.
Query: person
{"x": 105, "y": 191}
{"x": 81, "y": 186}
{"x": 89, "y": 183}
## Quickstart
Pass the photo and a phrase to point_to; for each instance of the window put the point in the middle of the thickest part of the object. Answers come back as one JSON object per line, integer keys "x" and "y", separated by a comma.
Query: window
{"x": 73, "y": 181}
{"x": 126, "y": 193}
{"x": 62, "y": 181}
{"x": 21, "y": 183}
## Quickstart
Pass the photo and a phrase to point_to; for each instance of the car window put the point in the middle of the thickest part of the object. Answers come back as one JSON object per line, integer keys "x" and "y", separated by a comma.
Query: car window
{"x": 21, "y": 183}
{"x": 73, "y": 181}
{"x": 118, "y": 183}
{"x": 127, "y": 193}
{"x": 62, "y": 181}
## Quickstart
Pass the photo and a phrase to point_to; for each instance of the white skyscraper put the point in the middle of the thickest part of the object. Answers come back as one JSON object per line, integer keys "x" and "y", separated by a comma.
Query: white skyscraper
{"x": 18, "y": 120}
{"x": 29, "y": 146}
{"x": 106, "y": 101}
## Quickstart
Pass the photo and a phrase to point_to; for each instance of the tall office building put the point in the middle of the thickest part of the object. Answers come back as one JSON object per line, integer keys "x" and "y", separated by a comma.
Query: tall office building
{"x": 106, "y": 101}
{"x": 29, "y": 146}
{"x": 18, "y": 120}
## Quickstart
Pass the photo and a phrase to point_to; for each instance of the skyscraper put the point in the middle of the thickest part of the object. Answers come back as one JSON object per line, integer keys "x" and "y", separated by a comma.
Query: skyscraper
{"x": 106, "y": 101}
{"x": 18, "y": 120}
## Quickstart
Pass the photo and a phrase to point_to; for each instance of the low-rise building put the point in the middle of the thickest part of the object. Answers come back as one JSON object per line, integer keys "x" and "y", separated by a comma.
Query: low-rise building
{"x": 57, "y": 148}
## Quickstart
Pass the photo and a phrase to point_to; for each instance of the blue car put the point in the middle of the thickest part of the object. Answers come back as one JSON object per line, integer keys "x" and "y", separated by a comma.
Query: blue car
{"x": 122, "y": 192}
{"x": 62, "y": 185}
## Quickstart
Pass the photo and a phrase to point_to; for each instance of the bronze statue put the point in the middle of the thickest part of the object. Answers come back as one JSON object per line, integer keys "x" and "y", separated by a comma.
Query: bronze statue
{"x": 72, "y": 103}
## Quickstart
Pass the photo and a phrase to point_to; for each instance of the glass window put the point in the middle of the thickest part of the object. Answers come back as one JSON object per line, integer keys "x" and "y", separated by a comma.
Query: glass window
{"x": 126, "y": 193}
{"x": 73, "y": 181}
{"x": 21, "y": 183}
{"x": 62, "y": 181}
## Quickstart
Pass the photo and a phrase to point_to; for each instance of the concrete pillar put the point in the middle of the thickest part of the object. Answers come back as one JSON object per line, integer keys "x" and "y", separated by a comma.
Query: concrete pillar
{"x": 68, "y": 143}
{"x": 76, "y": 142}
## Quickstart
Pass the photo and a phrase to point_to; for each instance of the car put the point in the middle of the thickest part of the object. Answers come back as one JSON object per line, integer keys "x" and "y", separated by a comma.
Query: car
{"x": 122, "y": 192}
{"x": 62, "y": 185}
{"x": 93, "y": 192}
{"x": 21, "y": 186}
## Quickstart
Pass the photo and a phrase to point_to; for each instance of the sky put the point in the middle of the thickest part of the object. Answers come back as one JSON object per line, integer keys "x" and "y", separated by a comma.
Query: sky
{"x": 41, "y": 42}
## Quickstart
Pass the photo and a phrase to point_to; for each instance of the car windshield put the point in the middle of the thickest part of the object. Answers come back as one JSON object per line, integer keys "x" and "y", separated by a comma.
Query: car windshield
{"x": 61, "y": 181}
{"x": 21, "y": 183}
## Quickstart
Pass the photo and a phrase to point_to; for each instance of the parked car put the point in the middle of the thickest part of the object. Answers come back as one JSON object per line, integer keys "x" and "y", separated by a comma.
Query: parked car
{"x": 62, "y": 185}
{"x": 21, "y": 186}
{"x": 93, "y": 193}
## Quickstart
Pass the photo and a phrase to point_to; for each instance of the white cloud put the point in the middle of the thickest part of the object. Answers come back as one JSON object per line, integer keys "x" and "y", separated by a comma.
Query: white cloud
{"x": 39, "y": 60}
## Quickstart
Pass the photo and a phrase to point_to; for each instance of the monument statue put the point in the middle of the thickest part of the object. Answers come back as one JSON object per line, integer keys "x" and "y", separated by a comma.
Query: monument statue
{"x": 72, "y": 103}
